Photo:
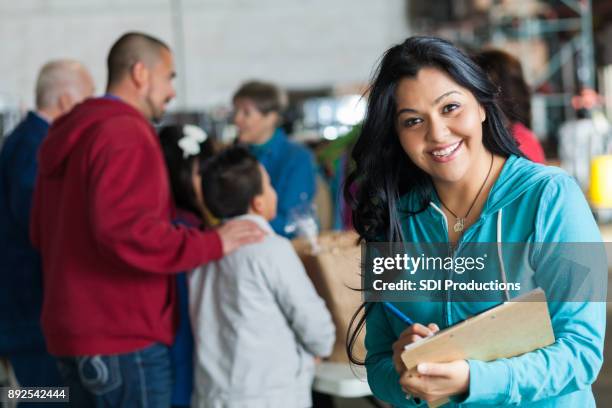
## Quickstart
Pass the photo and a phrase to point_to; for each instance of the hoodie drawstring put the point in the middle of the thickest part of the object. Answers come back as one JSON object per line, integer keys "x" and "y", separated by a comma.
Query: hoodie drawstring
{"x": 435, "y": 207}
{"x": 500, "y": 255}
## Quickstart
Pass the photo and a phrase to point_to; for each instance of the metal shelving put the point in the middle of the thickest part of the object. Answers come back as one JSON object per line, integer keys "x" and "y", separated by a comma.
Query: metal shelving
{"x": 563, "y": 27}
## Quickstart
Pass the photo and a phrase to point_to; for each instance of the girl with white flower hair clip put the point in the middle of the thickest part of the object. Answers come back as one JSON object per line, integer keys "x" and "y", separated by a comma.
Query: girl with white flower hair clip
{"x": 185, "y": 147}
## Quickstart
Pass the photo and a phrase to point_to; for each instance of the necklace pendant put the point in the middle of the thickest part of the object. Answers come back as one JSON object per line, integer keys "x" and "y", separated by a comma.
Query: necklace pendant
{"x": 458, "y": 227}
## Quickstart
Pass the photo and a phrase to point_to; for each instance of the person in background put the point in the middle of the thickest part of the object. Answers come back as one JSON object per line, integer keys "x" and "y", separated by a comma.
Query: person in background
{"x": 257, "y": 319}
{"x": 258, "y": 108}
{"x": 185, "y": 147}
{"x": 101, "y": 218}
{"x": 583, "y": 138}
{"x": 335, "y": 161}
{"x": 60, "y": 85}
{"x": 506, "y": 71}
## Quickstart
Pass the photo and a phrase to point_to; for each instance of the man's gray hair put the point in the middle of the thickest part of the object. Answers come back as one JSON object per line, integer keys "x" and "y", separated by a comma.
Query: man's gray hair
{"x": 58, "y": 77}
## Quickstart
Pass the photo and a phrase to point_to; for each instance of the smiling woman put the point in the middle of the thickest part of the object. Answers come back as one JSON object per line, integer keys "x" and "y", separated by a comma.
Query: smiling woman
{"x": 434, "y": 152}
{"x": 441, "y": 132}
{"x": 432, "y": 116}
{"x": 436, "y": 128}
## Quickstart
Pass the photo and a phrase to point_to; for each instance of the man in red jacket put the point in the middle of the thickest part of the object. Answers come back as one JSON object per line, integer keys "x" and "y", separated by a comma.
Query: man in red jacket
{"x": 101, "y": 219}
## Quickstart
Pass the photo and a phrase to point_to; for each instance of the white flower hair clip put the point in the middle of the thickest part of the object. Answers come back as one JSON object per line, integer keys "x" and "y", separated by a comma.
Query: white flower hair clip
{"x": 193, "y": 136}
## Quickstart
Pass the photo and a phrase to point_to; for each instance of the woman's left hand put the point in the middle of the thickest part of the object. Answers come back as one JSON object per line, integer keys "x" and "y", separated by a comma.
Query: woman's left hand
{"x": 434, "y": 381}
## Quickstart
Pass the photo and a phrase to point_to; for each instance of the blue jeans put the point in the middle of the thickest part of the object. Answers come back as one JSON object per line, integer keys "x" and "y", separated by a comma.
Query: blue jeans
{"x": 140, "y": 379}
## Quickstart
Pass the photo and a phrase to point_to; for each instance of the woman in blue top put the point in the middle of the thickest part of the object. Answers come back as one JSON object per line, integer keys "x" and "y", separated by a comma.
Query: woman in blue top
{"x": 258, "y": 107}
{"x": 434, "y": 154}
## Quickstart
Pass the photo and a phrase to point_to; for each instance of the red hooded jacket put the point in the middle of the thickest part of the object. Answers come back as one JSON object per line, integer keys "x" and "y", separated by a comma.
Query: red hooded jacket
{"x": 101, "y": 219}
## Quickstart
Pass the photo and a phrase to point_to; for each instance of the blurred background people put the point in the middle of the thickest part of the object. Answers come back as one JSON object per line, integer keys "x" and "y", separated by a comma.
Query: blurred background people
{"x": 60, "y": 85}
{"x": 506, "y": 72}
{"x": 258, "y": 108}
{"x": 336, "y": 163}
{"x": 585, "y": 137}
{"x": 101, "y": 218}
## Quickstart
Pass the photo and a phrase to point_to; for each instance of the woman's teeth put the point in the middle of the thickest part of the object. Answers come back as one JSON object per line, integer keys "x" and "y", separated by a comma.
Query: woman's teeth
{"x": 445, "y": 152}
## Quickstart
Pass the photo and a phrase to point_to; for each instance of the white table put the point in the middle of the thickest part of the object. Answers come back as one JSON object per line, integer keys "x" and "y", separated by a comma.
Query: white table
{"x": 341, "y": 380}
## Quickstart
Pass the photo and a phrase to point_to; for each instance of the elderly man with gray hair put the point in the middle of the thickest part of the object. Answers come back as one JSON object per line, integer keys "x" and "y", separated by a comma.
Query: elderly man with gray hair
{"x": 61, "y": 84}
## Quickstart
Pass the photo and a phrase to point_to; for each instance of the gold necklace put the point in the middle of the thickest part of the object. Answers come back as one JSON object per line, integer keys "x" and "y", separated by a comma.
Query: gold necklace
{"x": 460, "y": 221}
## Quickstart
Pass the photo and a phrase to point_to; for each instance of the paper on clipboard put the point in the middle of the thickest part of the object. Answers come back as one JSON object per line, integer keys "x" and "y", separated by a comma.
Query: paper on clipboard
{"x": 507, "y": 330}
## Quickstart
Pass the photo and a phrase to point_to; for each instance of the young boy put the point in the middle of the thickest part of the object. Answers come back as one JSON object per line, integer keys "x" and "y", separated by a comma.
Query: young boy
{"x": 257, "y": 320}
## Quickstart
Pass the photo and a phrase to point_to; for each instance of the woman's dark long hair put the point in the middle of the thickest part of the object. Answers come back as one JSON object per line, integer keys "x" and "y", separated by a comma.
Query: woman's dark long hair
{"x": 383, "y": 172}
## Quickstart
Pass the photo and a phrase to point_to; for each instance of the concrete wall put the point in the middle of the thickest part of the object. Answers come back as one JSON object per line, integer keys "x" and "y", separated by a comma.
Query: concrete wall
{"x": 218, "y": 43}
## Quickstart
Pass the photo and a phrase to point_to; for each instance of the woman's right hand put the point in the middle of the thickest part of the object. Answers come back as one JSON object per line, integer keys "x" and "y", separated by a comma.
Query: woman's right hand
{"x": 413, "y": 333}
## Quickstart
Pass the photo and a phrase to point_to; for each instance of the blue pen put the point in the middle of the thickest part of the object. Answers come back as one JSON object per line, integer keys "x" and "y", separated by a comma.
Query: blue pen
{"x": 398, "y": 313}
{"x": 406, "y": 320}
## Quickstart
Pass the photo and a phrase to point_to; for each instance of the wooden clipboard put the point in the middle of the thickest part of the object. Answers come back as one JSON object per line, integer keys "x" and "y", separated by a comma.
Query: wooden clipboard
{"x": 507, "y": 330}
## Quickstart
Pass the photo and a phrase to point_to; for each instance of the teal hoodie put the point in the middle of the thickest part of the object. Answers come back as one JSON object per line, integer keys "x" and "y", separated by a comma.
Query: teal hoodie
{"x": 528, "y": 203}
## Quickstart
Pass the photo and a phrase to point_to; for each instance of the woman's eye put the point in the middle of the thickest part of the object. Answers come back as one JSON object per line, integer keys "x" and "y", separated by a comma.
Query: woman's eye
{"x": 450, "y": 107}
{"x": 411, "y": 122}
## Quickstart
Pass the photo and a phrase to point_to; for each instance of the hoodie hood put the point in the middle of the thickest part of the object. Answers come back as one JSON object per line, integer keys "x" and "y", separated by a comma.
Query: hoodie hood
{"x": 518, "y": 176}
{"x": 67, "y": 131}
{"x": 520, "y": 184}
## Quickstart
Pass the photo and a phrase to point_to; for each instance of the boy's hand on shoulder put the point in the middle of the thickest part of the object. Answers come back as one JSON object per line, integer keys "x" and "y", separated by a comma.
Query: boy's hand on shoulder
{"x": 236, "y": 233}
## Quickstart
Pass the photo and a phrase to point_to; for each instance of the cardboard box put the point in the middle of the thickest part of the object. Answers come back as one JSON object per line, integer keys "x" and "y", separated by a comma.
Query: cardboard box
{"x": 336, "y": 273}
